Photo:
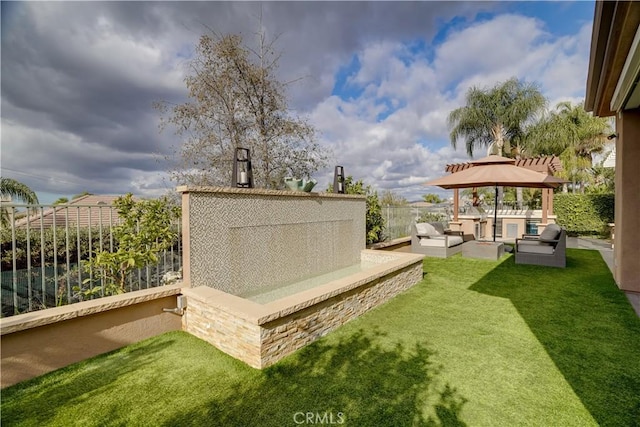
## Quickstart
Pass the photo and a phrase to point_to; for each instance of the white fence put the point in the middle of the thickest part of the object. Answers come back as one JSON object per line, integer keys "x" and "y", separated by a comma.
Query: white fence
{"x": 42, "y": 249}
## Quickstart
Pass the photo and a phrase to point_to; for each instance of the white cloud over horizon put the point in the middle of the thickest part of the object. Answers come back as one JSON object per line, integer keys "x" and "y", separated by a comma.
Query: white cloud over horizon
{"x": 79, "y": 80}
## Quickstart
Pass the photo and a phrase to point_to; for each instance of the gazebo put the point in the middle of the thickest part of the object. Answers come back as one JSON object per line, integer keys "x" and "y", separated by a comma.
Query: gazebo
{"x": 547, "y": 165}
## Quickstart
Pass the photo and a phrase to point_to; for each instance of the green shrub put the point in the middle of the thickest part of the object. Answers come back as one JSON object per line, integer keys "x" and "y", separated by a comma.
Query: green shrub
{"x": 432, "y": 217}
{"x": 145, "y": 231}
{"x": 584, "y": 214}
{"x": 47, "y": 236}
{"x": 374, "y": 220}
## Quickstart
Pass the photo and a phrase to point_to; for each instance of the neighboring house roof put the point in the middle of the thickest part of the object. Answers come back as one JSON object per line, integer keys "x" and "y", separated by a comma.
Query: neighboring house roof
{"x": 84, "y": 211}
{"x": 420, "y": 204}
{"x": 547, "y": 164}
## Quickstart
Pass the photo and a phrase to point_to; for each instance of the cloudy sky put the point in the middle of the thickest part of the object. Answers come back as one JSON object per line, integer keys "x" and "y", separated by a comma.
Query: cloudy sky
{"x": 79, "y": 80}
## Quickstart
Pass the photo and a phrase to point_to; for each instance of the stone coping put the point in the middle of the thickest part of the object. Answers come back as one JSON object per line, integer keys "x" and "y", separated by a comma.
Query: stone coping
{"x": 34, "y": 319}
{"x": 525, "y": 215}
{"x": 260, "y": 314}
{"x": 389, "y": 243}
{"x": 264, "y": 192}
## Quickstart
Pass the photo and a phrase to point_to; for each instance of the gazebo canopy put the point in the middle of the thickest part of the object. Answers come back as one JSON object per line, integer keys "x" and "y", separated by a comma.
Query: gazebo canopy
{"x": 547, "y": 164}
{"x": 498, "y": 171}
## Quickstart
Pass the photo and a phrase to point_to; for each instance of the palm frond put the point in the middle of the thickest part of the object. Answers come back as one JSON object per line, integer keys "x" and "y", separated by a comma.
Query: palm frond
{"x": 15, "y": 189}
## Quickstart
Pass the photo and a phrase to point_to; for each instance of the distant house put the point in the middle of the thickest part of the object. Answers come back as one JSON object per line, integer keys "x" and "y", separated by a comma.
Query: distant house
{"x": 90, "y": 210}
{"x": 420, "y": 204}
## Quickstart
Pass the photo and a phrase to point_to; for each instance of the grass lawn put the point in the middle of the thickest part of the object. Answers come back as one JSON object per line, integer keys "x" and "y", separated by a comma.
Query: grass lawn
{"x": 476, "y": 343}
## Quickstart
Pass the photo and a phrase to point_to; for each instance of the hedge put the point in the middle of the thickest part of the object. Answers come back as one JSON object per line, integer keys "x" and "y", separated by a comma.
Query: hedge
{"x": 584, "y": 214}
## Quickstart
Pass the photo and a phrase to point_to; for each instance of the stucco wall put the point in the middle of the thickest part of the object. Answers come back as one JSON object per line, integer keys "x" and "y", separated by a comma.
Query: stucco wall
{"x": 42, "y": 341}
{"x": 627, "y": 217}
{"x": 243, "y": 240}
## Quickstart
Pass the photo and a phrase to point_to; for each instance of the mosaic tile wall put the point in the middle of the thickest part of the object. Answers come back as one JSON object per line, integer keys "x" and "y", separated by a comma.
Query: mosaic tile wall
{"x": 243, "y": 240}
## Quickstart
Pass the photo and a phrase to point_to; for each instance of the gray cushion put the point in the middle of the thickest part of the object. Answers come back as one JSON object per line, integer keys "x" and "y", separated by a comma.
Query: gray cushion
{"x": 454, "y": 241}
{"x": 550, "y": 232}
{"x": 439, "y": 241}
{"x": 425, "y": 229}
{"x": 438, "y": 226}
{"x": 535, "y": 247}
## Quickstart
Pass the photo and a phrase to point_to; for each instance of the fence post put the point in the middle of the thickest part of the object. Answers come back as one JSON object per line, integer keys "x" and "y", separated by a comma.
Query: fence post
{"x": 22, "y": 293}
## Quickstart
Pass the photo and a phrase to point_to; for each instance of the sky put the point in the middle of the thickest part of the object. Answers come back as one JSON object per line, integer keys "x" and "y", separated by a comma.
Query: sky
{"x": 376, "y": 79}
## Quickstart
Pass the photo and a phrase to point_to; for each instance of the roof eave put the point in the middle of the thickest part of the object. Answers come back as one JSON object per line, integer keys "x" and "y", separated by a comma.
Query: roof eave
{"x": 614, "y": 27}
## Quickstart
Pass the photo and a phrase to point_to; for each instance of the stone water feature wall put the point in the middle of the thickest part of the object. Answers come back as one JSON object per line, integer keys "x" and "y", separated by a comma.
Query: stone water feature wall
{"x": 242, "y": 240}
{"x": 261, "y": 335}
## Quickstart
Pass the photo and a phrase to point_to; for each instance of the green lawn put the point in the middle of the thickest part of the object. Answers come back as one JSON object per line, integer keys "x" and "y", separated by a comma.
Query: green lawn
{"x": 476, "y": 343}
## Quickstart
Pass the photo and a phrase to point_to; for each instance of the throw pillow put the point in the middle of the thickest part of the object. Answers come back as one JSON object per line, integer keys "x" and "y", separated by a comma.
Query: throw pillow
{"x": 438, "y": 227}
{"x": 550, "y": 232}
{"x": 425, "y": 229}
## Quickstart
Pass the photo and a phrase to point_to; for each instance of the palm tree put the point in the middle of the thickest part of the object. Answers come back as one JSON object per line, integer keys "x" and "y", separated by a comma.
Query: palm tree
{"x": 10, "y": 188}
{"x": 574, "y": 135}
{"x": 15, "y": 189}
{"x": 61, "y": 201}
{"x": 496, "y": 119}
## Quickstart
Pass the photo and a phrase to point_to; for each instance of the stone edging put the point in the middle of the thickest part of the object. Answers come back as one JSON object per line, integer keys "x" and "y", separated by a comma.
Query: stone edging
{"x": 401, "y": 241}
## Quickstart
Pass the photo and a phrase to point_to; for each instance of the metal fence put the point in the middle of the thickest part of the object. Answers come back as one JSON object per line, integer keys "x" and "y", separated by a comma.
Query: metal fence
{"x": 43, "y": 248}
{"x": 398, "y": 219}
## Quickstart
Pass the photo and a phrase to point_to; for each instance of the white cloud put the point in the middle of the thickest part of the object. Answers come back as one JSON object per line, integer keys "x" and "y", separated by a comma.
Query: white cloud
{"x": 487, "y": 49}
{"x": 410, "y": 145}
{"x": 566, "y": 73}
{"x": 79, "y": 78}
{"x": 96, "y": 44}
{"x": 76, "y": 165}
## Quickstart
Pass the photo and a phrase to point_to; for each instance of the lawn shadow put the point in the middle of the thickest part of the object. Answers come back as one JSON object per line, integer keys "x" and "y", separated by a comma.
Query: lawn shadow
{"x": 87, "y": 378}
{"x": 586, "y": 326}
{"x": 357, "y": 381}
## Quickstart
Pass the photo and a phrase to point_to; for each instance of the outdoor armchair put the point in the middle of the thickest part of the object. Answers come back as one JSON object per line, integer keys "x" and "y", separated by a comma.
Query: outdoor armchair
{"x": 548, "y": 248}
{"x": 431, "y": 239}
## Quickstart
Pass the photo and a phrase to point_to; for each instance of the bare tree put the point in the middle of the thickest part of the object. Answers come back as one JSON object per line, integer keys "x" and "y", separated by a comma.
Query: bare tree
{"x": 237, "y": 101}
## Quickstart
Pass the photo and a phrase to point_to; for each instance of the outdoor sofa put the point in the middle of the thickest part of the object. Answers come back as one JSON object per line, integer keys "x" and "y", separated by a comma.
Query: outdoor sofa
{"x": 431, "y": 239}
{"x": 548, "y": 248}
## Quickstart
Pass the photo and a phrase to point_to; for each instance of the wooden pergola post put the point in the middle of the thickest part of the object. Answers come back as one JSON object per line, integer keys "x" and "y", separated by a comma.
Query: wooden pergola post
{"x": 545, "y": 205}
{"x": 456, "y": 204}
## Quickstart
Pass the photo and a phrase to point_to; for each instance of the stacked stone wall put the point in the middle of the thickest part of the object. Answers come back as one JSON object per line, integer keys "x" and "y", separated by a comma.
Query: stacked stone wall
{"x": 261, "y": 345}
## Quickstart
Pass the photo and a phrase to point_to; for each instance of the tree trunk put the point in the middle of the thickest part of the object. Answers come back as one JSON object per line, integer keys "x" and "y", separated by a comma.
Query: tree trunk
{"x": 519, "y": 197}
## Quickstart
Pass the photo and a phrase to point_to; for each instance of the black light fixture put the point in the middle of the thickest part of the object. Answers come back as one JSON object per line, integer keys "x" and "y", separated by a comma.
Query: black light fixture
{"x": 242, "y": 173}
{"x": 338, "y": 180}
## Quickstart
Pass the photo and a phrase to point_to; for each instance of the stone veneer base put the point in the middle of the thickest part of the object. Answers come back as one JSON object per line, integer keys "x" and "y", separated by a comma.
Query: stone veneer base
{"x": 261, "y": 335}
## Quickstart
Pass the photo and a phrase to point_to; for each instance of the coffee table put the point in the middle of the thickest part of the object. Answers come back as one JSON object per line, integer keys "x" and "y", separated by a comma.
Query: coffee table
{"x": 482, "y": 249}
